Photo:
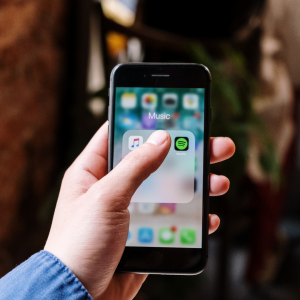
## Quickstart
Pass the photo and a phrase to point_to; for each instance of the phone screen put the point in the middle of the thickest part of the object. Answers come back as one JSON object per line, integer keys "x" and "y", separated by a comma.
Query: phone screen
{"x": 166, "y": 210}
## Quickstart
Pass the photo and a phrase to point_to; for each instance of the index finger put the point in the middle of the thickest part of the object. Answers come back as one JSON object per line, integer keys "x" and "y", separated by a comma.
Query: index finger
{"x": 93, "y": 158}
{"x": 221, "y": 148}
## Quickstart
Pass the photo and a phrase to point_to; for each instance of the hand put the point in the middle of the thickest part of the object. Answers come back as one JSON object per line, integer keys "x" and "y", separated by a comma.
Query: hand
{"x": 91, "y": 220}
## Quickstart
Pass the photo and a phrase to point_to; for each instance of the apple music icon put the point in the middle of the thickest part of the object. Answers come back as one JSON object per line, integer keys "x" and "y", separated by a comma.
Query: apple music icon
{"x": 134, "y": 142}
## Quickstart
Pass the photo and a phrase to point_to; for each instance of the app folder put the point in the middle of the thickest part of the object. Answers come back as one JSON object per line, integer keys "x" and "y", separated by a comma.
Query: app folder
{"x": 173, "y": 182}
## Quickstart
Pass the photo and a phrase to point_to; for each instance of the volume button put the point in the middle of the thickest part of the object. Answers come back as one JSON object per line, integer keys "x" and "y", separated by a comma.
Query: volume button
{"x": 108, "y": 121}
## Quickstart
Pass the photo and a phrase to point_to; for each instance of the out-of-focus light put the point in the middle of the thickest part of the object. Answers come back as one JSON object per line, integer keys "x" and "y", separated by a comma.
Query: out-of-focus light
{"x": 97, "y": 106}
{"x": 116, "y": 43}
{"x": 117, "y": 11}
{"x": 96, "y": 78}
{"x": 134, "y": 50}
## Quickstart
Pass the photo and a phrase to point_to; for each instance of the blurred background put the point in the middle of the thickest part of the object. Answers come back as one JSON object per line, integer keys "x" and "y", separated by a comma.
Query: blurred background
{"x": 55, "y": 61}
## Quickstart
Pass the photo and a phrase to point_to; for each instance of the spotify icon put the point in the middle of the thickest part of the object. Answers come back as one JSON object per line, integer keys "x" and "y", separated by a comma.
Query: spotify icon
{"x": 181, "y": 143}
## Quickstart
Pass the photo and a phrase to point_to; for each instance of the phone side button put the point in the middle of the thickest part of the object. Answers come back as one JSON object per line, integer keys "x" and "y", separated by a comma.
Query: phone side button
{"x": 155, "y": 259}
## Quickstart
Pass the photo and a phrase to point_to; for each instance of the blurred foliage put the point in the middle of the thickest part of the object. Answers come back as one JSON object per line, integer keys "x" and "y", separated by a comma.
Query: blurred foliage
{"x": 233, "y": 88}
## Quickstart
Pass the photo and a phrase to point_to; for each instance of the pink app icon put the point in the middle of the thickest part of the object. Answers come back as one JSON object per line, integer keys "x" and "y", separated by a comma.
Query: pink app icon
{"x": 167, "y": 208}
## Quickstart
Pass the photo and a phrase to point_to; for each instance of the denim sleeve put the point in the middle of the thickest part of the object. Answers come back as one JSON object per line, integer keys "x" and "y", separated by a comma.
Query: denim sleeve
{"x": 42, "y": 276}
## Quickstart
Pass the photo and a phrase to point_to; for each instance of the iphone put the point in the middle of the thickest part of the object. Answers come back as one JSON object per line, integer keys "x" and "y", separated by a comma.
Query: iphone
{"x": 168, "y": 231}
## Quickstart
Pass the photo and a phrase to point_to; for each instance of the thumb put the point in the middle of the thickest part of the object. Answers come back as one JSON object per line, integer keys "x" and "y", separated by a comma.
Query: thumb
{"x": 118, "y": 186}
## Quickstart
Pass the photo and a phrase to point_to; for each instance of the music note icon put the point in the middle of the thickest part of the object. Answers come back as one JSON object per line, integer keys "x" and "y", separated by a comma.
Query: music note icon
{"x": 137, "y": 142}
{"x": 134, "y": 142}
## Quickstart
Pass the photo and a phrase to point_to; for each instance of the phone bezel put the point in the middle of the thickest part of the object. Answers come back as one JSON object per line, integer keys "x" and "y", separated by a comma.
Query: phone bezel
{"x": 188, "y": 261}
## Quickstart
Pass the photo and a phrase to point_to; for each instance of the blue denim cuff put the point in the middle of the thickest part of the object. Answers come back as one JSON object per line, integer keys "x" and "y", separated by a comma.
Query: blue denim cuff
{"x": 42, "y": 276}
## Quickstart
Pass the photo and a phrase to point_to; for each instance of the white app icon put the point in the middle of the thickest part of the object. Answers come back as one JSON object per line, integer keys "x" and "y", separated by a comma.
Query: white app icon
{"x": 190, "y": 101}
{"x": 146, "y": 208}
{"x": 170, "y": 100}
{"x": 128, "y": 100}
{"x": 149, "y": 101}
{"x": 135, "y": 142}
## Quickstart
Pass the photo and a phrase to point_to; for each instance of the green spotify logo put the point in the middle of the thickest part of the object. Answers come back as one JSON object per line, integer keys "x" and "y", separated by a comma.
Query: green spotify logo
{"x": 181, "y": 143}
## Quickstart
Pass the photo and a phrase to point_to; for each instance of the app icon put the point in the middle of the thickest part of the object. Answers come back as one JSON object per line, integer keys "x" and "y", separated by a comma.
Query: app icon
{"x": 167, "y": 208}
{"x": 128, "y": 100}
{"x": 169, "y": 123}
{"x": 145, "y": 235}
{"x": 127, "y": 121}
{"x": 181, "y": 143}
{"x": 146, "y": 208}
{"x": 197, "y": 115}
{"x": 187, "y": 236}
{"x": 134, "y": 142}
{"x": 190, "y": 101}
{"x": 148, "y": 123}
{"x": 170, "y": 100}
{"x": 149, "y": 101}
{"x": 189, "y": 122}
{"x": 176, "y": 115}
{"x": 167, "y": 235}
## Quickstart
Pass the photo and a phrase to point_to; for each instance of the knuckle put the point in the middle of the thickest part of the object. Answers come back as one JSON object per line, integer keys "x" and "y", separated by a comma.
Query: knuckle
{"x": 111, "y": 200}
{"x": 137, "y": 157}
{"x": 67, "y": 174}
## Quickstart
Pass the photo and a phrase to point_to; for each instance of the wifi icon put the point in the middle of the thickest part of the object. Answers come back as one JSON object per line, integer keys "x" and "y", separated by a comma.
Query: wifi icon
{"x": 181, "y": 143}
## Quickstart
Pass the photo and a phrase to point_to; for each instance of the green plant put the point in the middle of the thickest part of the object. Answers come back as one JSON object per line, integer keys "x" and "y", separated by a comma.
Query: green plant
{"x": 233, "y": 88}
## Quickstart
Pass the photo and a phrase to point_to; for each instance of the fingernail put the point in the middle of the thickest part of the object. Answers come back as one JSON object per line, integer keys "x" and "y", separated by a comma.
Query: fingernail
{"x": 214, "y": 220}
{"x": 157, "y": 137}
